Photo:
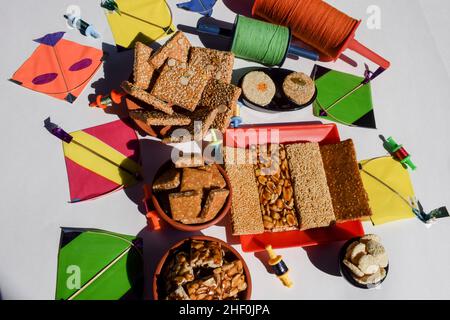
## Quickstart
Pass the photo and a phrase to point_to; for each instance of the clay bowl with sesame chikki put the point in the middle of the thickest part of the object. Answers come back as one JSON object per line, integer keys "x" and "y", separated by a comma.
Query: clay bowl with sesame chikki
{"x": 202, "y": 268}
{"x": 191, "y": 198}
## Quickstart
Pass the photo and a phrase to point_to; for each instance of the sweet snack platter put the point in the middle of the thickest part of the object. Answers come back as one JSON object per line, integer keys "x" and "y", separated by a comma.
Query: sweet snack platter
{"x": 157, "y": 106}
{"x": 254, "y": 239}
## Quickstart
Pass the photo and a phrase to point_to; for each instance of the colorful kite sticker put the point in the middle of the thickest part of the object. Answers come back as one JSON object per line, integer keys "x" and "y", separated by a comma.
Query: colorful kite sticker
{"x": 101, "y": 159}
{"x": 98, "y": 265}
{"x": 343, "y": 98}
{"x": 59, "y": 68}
{"x": 140, "y": 20}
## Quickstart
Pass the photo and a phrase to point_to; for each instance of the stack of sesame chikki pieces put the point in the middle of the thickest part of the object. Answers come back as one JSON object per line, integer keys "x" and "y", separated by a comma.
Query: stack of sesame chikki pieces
{"x": 178, "y": 85}
{"x": 193, "y": 193}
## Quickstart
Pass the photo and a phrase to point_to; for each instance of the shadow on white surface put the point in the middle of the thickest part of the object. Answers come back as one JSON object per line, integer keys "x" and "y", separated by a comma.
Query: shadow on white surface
{"x": 325, "y": 257}
{"x": 218, "y": 42}
{"x": 156, "y": 244}
{"x": 243, "y": 7}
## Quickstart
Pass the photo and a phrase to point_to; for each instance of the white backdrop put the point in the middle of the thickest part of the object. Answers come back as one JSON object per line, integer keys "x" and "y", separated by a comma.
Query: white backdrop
{"x": 411, "y": 104}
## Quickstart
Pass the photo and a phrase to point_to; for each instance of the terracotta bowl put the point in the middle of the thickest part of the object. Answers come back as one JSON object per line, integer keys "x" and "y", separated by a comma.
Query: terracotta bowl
{"x": 244, "y": 295}
{"x": 190, "y": 227}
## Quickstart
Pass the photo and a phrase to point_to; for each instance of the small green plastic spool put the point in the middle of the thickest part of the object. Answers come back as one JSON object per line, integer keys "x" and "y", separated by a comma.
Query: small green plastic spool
{"x": 260, "y": 41}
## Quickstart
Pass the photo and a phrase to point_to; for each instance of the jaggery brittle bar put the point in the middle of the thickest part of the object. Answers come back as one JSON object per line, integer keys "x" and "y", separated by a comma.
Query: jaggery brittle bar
{"x": 146, "y": 97}
{"x": 350, "y": 199}
{"x": 185, "y": 206}
{"x": 142, "y": 69}
{"x": 220, "y": 94}
{"x": 168, "y": 180}
{"x": 245, "y": 210}
{"x": 195, "y": 179}
{"x": 202, "y": 119}
{"x": 180, "y": 84}
{"x": 219, "y": 64}
{"x": 214, "y": 203}
{"x": 158, "y": 118}
{"x": 177, "y": 47}
{"x": 311, "y": 193}
{"x": 275, "y": 188}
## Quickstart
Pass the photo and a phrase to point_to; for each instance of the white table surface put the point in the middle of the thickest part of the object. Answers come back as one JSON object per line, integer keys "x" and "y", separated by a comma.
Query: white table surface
{"x": 411, "y": 103}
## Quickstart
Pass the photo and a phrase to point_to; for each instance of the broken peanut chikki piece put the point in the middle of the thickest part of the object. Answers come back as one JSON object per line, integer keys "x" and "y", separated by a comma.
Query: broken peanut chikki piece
{"x": 203, "y": 289}
{"x": 158, "y": 118}
{"x": 146, "y": 97}
{"x": 218, "y": 64}
{"x": 142, "y": 69}
{"x": 231, "y": 279}
{"x": 214, "y": 203}
{"x": 180, "y": 84}
{"x": 179, "y": 271}
{"x": 195, "y": 179}
{"x": 206, "y": 254}
{"x": 177, "y": 47}
{"x": 178, "y": 294}
{"x": 185, "y": 205}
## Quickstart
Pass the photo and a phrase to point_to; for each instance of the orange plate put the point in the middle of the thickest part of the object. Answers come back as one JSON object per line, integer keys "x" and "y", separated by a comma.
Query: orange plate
{"x": 291, "y": 133}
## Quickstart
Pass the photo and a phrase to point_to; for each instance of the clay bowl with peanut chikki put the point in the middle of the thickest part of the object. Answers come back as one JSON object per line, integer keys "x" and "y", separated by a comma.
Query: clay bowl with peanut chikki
{"x": 202, "y": 268}
{"x": 191, "y": 198}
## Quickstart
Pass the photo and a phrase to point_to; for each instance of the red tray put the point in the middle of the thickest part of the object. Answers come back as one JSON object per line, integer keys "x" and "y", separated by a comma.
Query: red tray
{"x": 290, "y": 133}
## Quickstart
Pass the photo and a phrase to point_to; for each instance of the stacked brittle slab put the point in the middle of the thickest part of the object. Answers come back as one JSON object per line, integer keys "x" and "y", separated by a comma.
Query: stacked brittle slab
{"x": 181, "y": 87}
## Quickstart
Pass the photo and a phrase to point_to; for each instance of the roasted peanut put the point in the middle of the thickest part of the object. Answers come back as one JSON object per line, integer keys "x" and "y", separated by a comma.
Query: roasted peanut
{"x": 275, "y": 189}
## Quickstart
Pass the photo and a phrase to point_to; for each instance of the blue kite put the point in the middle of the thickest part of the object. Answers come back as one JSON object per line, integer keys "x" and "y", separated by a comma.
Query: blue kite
{"x": 204, "y": 7}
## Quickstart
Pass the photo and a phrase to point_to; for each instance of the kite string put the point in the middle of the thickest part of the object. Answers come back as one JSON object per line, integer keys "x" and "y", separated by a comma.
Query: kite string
{"x": 260, "y": 41}
{"x": 315, "y": 22}
{"x": 387, "y": 186}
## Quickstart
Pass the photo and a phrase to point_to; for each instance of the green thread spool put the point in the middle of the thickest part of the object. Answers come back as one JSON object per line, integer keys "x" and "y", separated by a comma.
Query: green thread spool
{"x": 260, "y": 41}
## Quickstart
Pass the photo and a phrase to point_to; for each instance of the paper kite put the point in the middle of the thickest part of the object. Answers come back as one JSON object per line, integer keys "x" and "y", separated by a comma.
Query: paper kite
{"x": 389, "y": 188}
{"x": 99, "y": 265}
{"x": 336, "y": 100}
{"x": 101, "y": 159}
{"x": 204, "y": 7}
{"x": 59, "y": 68}
{"x": 140, "y": 20}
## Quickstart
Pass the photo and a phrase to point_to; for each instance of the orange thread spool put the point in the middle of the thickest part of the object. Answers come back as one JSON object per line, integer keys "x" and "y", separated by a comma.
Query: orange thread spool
{"x": 318, "y": 24}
